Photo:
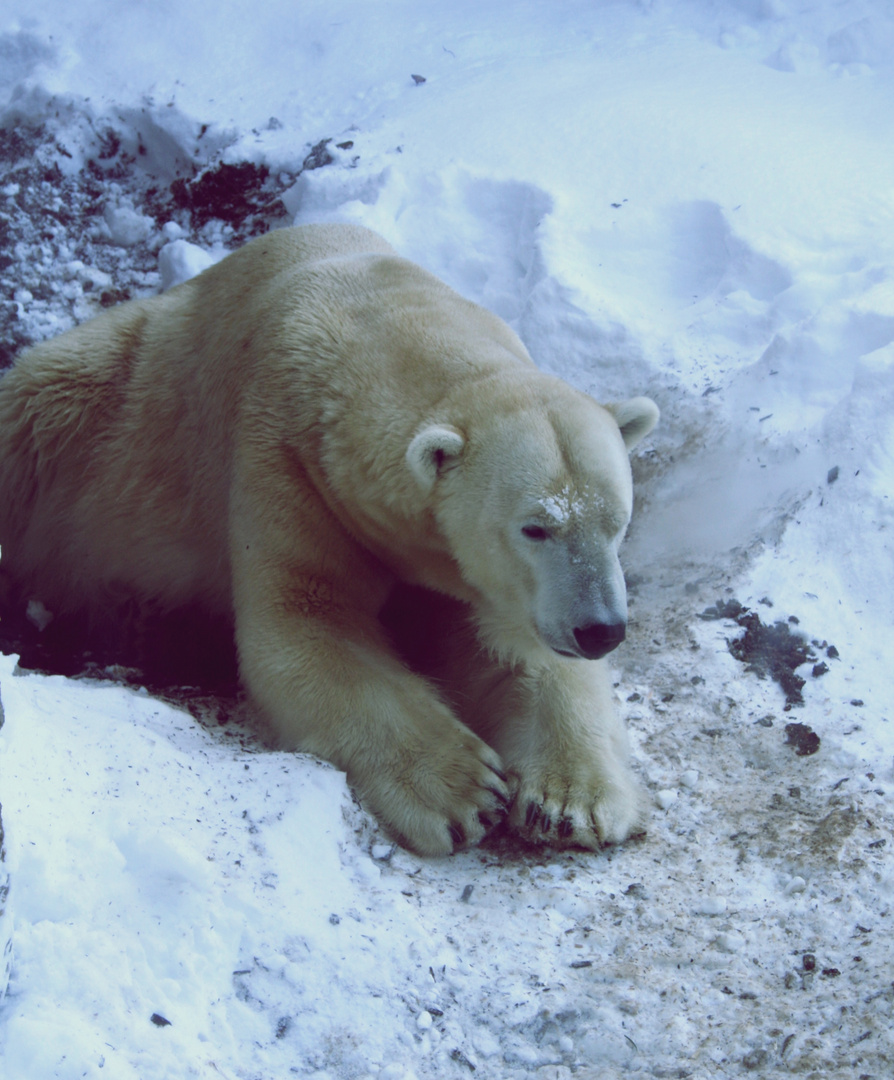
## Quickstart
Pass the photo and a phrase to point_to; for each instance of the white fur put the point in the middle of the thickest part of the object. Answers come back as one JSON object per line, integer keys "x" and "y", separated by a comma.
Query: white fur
{"x": 301, "y": 437}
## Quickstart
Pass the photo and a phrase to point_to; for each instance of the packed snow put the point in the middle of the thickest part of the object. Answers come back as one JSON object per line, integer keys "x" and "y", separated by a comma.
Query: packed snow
{"x": 691, "y": 200}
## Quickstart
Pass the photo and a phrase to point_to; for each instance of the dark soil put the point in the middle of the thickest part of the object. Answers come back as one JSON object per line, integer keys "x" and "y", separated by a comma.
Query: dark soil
{"x": 241, "y": 195}
{"x": 803, "y": 739}
{"x": 772, "y": 650}
{"x": 57, "y": 268}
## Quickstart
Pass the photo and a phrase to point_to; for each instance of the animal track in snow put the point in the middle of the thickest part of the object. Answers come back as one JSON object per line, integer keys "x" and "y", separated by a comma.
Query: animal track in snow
{"x": 707, "y": 257}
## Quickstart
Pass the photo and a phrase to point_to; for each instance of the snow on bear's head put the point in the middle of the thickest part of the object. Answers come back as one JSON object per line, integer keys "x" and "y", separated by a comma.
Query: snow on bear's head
{"x": 534, "y": 498}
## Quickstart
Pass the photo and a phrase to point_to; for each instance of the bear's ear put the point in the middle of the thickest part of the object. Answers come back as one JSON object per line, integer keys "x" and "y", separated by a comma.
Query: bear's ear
{"x": 433, "y": 450}
{"x": 635, "y": 417}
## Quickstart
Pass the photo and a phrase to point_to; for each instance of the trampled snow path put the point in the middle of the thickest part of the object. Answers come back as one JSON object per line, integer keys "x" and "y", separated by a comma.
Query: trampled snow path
{"x": 689, "y": 200}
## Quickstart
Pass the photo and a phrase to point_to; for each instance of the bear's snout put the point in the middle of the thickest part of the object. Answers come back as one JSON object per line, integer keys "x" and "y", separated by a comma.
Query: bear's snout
{"x": 598, "y": 639}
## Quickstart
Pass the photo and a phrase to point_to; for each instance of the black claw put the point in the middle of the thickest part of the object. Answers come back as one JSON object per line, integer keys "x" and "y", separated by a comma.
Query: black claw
{"x": 566, "y": 828}
{"x": 457, "y": 834}
{"x": 504, "y": 800}
{"x": 499, "y": 773}
{"x": 486, "y": 821}
{"x": 546, "y": 823}
{"x": 532, "y": 814}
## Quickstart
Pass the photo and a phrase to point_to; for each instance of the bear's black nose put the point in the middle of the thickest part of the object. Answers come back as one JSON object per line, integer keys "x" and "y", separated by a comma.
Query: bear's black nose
{"x": 600, "y": 638}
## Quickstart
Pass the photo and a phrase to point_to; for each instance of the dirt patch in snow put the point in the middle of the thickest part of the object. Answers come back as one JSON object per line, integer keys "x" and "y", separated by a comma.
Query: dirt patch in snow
{"x": 74, "y": 241}
{"x": 775, "y": 650}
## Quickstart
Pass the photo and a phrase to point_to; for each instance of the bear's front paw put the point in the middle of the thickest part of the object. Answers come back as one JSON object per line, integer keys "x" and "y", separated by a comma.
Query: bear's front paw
{"x": 439, "y": 798}
{"x": 575, "y": 807}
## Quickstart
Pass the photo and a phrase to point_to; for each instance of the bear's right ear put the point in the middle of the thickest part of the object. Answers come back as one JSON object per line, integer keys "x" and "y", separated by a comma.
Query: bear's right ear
{"x": 635, "y": 417}
{"x": 433, "y": 450}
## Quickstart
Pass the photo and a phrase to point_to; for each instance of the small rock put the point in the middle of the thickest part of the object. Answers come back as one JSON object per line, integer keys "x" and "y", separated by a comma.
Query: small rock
{"x": 458, "y": 1056}
{"x": 424, "y": 1020}
{"x": 689, "y": 779}
{"x": 804, "y": 739}
{"x": 319, "y": 156}
{"x": 755, "y": 1059}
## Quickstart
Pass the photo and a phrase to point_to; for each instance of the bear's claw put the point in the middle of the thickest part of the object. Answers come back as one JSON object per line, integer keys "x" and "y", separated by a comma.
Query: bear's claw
{"x": 505, "y": 801}
{"x": 499, "y": 772}
{"x": 447, "y": 795}
{"x": 457, "y": 833}
{"x": 594, "y": 818}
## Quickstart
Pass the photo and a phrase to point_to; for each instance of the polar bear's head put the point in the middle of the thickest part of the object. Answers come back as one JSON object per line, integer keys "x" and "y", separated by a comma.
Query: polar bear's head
{"x": 533, "y": 500}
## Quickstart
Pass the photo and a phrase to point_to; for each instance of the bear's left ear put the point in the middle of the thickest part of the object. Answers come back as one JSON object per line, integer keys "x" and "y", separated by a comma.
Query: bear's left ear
{"x": 635, "y": 417}
{"x": 433, "y": 450}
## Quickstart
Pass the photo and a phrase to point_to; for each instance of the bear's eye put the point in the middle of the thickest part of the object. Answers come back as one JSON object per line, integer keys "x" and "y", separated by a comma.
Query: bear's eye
{"x": 535, "y": 532}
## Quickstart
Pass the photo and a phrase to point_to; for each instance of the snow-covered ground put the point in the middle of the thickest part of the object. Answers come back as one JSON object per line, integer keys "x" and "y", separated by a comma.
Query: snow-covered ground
{"x": 690, "y": 199}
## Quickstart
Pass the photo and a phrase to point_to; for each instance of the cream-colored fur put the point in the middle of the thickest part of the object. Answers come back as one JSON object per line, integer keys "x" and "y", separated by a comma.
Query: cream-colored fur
{"x": 324, "y": 442}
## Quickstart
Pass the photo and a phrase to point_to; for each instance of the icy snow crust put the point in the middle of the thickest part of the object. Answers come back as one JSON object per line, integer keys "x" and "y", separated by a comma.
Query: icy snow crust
{"x": 691, "y": 200}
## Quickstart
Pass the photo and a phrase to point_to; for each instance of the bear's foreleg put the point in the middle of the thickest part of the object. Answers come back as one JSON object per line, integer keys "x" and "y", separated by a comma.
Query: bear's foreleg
{"x": 338, "y": 694}
{"x": 321, "y": 669}
{"x": 559, "y": 735}
{"x": 558, "y": 731}
{"x": 555, "y": 725}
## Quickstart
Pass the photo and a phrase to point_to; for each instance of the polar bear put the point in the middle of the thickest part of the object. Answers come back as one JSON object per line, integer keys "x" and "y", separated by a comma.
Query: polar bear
{"x": 413, "y": 530}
